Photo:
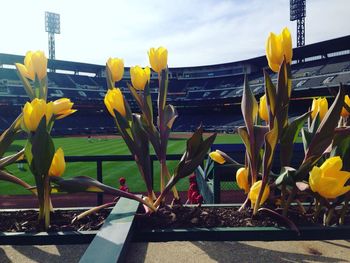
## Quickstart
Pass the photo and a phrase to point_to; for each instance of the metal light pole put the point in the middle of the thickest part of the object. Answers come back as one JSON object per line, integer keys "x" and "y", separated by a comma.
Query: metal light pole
{"x": 52, "y": 26}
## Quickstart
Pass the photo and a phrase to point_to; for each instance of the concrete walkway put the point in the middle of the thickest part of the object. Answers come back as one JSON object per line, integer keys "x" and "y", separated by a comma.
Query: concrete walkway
{"x": 295, "y": 251}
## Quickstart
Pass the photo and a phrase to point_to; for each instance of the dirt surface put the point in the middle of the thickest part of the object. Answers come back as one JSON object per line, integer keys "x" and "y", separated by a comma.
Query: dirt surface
{"x": 27, "y": 221}
{"x": 187, "y": 217}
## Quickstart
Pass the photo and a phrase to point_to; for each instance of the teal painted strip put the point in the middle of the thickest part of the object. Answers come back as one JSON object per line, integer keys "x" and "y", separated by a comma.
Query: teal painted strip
{"x": 111, "y": 241}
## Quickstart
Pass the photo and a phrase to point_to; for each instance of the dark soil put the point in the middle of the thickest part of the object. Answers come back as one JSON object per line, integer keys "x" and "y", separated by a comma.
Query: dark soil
{"x": 187, "y": 217}
{"x": 27, "y": 221}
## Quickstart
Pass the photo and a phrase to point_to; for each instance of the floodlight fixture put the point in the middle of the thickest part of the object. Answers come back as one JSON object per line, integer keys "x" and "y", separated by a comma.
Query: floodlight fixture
{"x": 298, "y": 13}
{"x": 52, "y": 26}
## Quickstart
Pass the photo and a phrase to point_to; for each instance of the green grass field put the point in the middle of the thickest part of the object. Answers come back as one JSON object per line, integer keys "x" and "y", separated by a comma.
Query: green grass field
{"x": 112, "y": 171}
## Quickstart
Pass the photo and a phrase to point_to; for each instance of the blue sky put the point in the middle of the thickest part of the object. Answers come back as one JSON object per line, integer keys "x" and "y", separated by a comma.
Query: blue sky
{"x": 196, "y": 32}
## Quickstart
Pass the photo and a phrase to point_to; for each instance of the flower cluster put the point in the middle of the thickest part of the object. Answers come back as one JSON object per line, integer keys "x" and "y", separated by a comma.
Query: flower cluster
{"x": 325, "y": 139}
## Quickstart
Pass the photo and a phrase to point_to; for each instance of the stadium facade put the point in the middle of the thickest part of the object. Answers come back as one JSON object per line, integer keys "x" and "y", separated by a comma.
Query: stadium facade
{"x": 205, "y": 94}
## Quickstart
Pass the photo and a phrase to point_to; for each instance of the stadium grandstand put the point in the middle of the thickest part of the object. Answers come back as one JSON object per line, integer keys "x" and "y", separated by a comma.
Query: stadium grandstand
{"x": 206, "y": 94}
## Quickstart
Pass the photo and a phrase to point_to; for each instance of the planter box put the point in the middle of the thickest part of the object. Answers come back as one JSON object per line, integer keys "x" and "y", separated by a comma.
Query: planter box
{"x": 112, "y": 240}
{"x": 47, "y": 238}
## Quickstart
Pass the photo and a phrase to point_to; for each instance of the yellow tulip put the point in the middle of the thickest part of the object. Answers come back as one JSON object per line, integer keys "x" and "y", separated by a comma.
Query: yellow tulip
{"x": 62, "y": 108}
{"x": 328, "y": 180}
{"x": 116, "y": 67}
{"x": 58, "y": 165}
{"x": 242, "y": 179}
{"x": 114, "y": 100}
{"x": 320, "y": 106}
{"x": 254, "y": 193}
{"x": 263, "y": 111}
{"x": 34, "y": 111}
{"x": 35, "y": 64}
{"x": 344, "y": 113}
{"x": 279, "y": 47}
{"x": 158, "y": 58}
{"x": 216, "y": 156}
{"x": 139, "y": 77}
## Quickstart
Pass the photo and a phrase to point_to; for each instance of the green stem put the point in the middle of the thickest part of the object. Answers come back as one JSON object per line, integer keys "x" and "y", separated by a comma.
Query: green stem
{"x": 344, "y": 209}
{"x": 289, "y": 201}
{"x": 47, "y": 201}
{"x": 329, "y": 216}
{"x": 165, "y": 173}
{"x": 244, "y": 205}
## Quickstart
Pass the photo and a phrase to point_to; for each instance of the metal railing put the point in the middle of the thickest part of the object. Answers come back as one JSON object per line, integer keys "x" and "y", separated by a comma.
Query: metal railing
{"x": 99, "y": 159}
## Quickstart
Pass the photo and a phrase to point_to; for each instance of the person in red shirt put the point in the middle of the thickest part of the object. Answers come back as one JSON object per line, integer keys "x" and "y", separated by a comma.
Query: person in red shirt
{"x": 123, "y": 186}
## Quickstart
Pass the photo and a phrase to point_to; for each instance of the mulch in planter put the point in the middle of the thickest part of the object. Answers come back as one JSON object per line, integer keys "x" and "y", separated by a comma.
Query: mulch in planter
{"x": 27, "y": 221}
{"x": 209, "y": 217}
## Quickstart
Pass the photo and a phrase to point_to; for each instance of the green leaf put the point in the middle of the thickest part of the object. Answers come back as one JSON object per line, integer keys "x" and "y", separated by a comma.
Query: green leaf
{"x": 249, "y": 107}
{"x": 289, "y": 136}
{"x": 270, "y": 91}
{"x": 142, "y": 153}
{"x": 5, "y": 176}
{"x": 110, "y": 83}
{"x": 307, "y": 137}
{"x": 86, "y": 184}
{"x": 170, "y": 114}
{"x": 284, "y": 88}
{"x": 27, "y": 87}
{"x": 271, "y": 139}
{"x": 136, "y": 96}
{"x": 341, "y": 146}
{"x": 197, "y": 148}
{"x": 11, "y": 159}
{"x": 286, "y": 176}
{"x": 323, "y": 136}
{"x": 42, "y": 149}
{"x": 9, "y": 135}
{"x": 163, "y": 90}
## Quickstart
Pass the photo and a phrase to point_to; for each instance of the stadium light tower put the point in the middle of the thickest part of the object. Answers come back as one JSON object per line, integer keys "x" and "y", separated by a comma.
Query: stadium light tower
{"x": 52, "y": 26}
{"x": 298, "y": 13}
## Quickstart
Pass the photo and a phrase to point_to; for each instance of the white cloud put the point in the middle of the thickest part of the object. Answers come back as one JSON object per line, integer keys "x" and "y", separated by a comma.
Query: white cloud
{"x": 195, "y": 32}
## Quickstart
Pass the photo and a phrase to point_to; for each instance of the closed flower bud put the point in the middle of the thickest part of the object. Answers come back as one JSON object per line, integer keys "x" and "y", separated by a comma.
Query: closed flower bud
{"x": 344, "y": 113}
{"x": 34, "y": 111}
{"x": 279, "y": 47}
{"x": 62, "y": 108}
{"x": 263, "y": 111}
{"x": 58, "y": 165}
{"x": 320, "y": 106}
{"x": 35, "y": 64}
{"x": 116, "y": 68}
{"x": 328, "y": 180}
{"x": 216, "y": 156}
{"x": 158, "y": 58}
{"x": 139, "y": 77}
{"x": 254, "y": 193}
{"x": 242, "y": 179}
{"x": 114, "y": 100}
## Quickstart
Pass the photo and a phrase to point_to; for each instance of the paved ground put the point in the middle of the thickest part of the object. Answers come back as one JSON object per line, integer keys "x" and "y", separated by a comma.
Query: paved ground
{"x": 296, "y": 251}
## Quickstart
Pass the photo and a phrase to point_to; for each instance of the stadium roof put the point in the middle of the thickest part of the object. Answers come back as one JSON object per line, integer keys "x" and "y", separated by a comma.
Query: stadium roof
{"x": 316, "y": 49}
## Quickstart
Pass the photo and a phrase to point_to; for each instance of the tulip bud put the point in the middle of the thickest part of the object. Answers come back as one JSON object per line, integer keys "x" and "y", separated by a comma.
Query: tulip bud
{"x": 139, "y": 77}
{"x": 34, "y": 111}
{"x": 263, "y": 111}
{"x": 114, "y": 100}
{"x": 242, "y": 179}
{"x": 58, "y": 165}
{"x": 35, "y": 64}
{"x": 328, "y": 180}
{"x": 116, "y": 68}
{"x": 158, "y": 58}
{"x": 279, "y": 47}
{"x": 62, "y": 108}
{"x": 216, "y": 156}
{"x": 320, "y": 106}
{"x": 254, "y": 193}
{"x": 344, "y": 113}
